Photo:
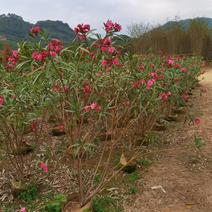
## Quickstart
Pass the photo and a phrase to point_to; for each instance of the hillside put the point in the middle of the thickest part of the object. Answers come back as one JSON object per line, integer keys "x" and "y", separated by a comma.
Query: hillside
{"x": 14, "y": 29}
{"x": 186, "y": 22}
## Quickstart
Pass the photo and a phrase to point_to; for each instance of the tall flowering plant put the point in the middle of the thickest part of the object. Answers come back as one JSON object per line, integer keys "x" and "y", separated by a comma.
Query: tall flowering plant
{"x": 102, "y": 99}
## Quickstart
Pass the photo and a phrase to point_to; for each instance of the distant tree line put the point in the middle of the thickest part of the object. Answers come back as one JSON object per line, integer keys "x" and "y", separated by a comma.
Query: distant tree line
{"x": 196, "y": 39}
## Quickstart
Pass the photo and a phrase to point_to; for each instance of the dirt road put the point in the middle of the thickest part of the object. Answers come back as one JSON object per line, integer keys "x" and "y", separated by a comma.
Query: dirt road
{"x": 185, "y": 174}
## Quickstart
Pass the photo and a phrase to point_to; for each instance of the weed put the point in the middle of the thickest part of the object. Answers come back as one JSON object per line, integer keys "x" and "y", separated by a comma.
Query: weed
{"x": 29, "y": 194}
{"x": 133, "y": 178}
{"x": 133, "y": 190}
{"x": 105, "y": 204}
{"x": 145, "y": 163}
{"x": 198, "y": 142}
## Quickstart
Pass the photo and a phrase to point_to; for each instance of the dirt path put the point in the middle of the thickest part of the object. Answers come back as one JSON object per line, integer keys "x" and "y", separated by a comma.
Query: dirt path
{"x": 186, "y": 173}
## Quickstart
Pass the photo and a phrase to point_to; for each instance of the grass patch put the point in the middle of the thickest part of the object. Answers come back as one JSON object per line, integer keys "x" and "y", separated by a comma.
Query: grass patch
{"x": 105, "y": 204}
{"x": 145, "y": 163}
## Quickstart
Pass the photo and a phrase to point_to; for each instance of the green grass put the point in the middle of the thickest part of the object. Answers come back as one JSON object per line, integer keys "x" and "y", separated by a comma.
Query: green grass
{"x": 105, "y": 204}
{"x": 30, "y": 194}
{"x": 145, "y": 163}
{"x": 133, "y": 177}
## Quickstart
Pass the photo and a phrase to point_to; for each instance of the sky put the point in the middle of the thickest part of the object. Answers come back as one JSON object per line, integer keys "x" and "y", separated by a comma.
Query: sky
{"x": 95, "y": 12}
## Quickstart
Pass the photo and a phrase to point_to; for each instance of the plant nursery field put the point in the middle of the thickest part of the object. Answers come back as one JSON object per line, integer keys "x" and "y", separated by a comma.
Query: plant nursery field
{"x": 91, "y": 127}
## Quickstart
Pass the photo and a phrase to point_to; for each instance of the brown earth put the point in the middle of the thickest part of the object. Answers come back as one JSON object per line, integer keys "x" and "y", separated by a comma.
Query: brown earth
{"x": 185, "y": 173}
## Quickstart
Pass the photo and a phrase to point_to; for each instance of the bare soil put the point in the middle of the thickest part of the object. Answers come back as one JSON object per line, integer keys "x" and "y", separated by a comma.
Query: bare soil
{"x": 185, "y": 173}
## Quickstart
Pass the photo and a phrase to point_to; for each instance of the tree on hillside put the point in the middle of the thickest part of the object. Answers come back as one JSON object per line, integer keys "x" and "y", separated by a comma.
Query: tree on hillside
{"x": 198, "y": 32}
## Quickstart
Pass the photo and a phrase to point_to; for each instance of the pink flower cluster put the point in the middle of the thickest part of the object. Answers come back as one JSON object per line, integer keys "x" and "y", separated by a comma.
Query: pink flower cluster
{"x": 170, "y": 61}
{"x": 35, "y": 30}
{"x": 109, "y": 63}
{"x": 2, "y": 100}
{"x": 39, "y": 56}
{"x": 150, "y": 83}
{"x": 152, "y": 66}
{"x": 87, "y": 89}
{"x": 177, "y": 66}
{"x": 154, "y": 75}
{"x": 106, "y": 45}
{"x": 13, "y": 59}
{"x": 138, "y": 84}
{"x": 164, "y": 96}
{"x": 112, "y": 27}
{"x": 93, "y": 107}
{"x": 44, "y": 167}
{"x": 55, "y": 46}
{"x": 81, "y": 31}
{"x": 58, "y": 89}
{"x": 184, "y": 70}
{"x": 141, "y": 68}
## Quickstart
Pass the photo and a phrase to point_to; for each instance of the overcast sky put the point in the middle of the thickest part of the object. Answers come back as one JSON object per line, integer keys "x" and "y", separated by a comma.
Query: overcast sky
{"x": 95, "y": 12}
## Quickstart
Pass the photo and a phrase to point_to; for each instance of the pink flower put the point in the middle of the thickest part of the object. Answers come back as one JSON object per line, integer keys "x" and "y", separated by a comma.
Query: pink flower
{"x": 35, "y": 30}
{"x": 138, "y": 84}
{"x": 152, "y": 66}
{"x": 15, "y": 54}
{"x": 104, "y": 48}
{"x": 115, "y": 61}
{"x": 197, "y": 121}
{"x": 34, "y": 126}
{"x": 141, "y": 68}
{"x": 87, "y": 88}
{"x": 56, "y": 88}
{"x": 170, "y": 61}
{"x": 87, "y": 108}
{"x": 94, "y": 106}
{"x": 52, "y": 53}
{"x": 185, "y": 97}
{"x": 66, "y": 89}
{"x": 109, "y": 26}
{"x": 37, "y": 57}
{"x": 164, "y": 96}
{"x": 105, "y": 44}
{"x": 61, "y": 128}
{"x": 150, "y": 83}
{"x": 14, "y": 97}
{"x": 93, "y": 55}
{"x": 2, "y": 101}
{"x": 23, "y": 210}
{"x": 107, "y": 41}
{"x": 177, "y": 66}
{"x": 117, "y": 27}
{"x": 13, "y": 59}
{"x": 184, "y": 70}
{"x": 44, "y": 167}
{"x": 81, "y": 31}
{"x": 154, "y": 75}
{"x": 82, "y": 28}
{"x": 111, "y": 50}
{"x": 99, "y": 74}
{"x": 104, "y": 63}
{"x": 82, "y": 37}
{"x": 55, "y": 46}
